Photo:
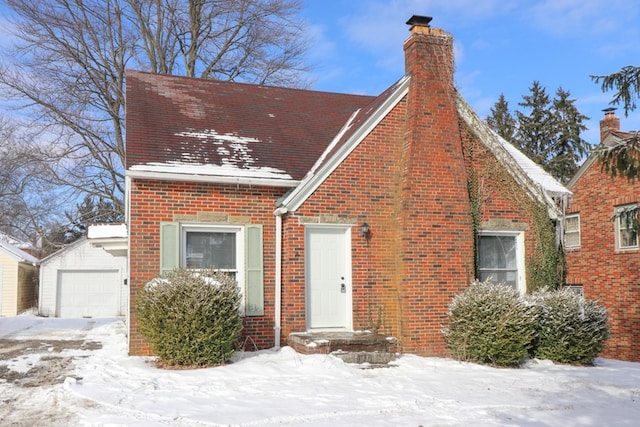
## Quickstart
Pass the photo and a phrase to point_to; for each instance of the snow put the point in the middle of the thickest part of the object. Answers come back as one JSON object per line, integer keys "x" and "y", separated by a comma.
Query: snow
{"x": 103, "y": 231}
{"x": 227, "y": 169}
{"x": 236, "y": 159}
{"x": 281, "y": 387}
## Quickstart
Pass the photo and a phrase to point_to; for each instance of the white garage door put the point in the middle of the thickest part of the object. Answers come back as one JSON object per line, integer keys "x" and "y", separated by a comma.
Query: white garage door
{"x": 88, "y": 293}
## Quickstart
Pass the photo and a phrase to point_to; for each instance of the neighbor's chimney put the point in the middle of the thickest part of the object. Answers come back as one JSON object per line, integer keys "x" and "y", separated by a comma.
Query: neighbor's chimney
{"x": 609, "y": 123}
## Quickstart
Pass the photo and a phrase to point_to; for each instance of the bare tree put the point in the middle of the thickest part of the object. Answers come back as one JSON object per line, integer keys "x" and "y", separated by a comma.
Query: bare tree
{"x": 70, "y": 56}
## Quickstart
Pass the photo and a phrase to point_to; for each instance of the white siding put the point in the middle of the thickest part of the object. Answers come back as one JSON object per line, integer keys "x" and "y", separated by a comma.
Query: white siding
{"x": 9, "y": 288}
{"x": 80, "y": 257}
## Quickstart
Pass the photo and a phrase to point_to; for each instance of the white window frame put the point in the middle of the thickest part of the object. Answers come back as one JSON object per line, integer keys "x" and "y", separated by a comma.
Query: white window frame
{"x": 521, "y": 284}
{"x": 210, "y": 228}
{"x": 567, "y": 231}
{"x": 619, "y": 229}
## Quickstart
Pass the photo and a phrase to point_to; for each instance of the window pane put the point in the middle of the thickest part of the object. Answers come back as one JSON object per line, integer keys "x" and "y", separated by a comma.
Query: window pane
{"x": 211, "y": 249}
{"x": 497, "y": 259}
{"x": 572, "y": 239}
{"x": 628, "y": 238}
{"x": 497, "y": 252}
{"x": 572, "y": 223}
{"x": 500, "y": 276}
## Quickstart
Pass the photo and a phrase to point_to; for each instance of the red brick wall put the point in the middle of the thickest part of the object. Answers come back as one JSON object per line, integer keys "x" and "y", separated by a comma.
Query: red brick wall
{"x": 607, "y": 275}
{"x": 153, "y": 202}
{"x": 363, "y": 188}
{"x": 504, "y": 205}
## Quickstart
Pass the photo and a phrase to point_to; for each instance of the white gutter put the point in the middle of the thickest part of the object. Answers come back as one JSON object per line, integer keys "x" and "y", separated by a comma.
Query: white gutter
{"x": 214, "y": 179}
{"x": 278, "y": 279}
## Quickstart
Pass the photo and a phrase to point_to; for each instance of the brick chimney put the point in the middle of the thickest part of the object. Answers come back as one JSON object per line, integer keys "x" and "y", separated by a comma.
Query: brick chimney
{"x": 435, "y": 219}
{"x": 609, "y": 123}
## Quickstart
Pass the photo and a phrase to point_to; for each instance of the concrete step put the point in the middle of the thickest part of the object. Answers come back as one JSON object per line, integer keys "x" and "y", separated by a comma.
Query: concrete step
{"x": 361, "y": 347}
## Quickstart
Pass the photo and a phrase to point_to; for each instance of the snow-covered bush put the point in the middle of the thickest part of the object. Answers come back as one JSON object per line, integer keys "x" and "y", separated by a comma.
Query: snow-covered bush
{"x": 190, "y": 318}
{"x": 569, "y": 328}
{"x": 489, "y": 323}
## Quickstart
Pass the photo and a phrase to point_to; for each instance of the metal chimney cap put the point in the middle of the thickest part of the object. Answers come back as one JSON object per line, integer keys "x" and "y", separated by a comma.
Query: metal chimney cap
{"x": 609, "y": 110}
{"x": 419, "y": 20}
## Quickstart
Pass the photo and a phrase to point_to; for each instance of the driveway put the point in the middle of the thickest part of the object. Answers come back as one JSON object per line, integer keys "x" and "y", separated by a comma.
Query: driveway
{"x": 36, "y": 357}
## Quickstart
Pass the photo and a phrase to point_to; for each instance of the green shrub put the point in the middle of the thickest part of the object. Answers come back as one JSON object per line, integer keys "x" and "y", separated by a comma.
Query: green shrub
{"x": 190, "y": 318}
{"x": 569, "y": 328}
{"x": 489, "y": 323}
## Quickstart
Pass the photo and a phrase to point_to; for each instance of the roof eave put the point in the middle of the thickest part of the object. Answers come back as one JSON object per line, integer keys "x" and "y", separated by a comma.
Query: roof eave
{"x": 312, "y": 181}
{"x": 211, "y": 179}
{"x": 490, "y": 140}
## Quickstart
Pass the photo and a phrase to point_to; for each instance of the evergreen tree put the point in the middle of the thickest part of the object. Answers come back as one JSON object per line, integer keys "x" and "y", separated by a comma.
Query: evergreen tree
{"x": 569, "y": 148}
{"x": 501, "y": 120}
{"x": 547, "y": 130}
{"x": 536, "y": 130}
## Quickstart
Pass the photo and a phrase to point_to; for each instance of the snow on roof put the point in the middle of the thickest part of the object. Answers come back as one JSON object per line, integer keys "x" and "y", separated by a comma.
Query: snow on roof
{"x": 525, "y": 171}
{"x": 213, "y": 170}
{"x": 235, "y": 157}
{"x": 533, "y": 170}
{"x": 18, "y": 254}
{"x": 106, "y": 231}
{"x": 21, "y": 244}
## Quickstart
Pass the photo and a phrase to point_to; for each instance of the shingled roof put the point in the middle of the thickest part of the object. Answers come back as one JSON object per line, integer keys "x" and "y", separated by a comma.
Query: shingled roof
{"x": 180, "y": 125}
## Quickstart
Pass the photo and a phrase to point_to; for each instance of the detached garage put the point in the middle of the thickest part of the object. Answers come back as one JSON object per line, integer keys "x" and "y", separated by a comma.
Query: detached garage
{"x": 87, "y": 278}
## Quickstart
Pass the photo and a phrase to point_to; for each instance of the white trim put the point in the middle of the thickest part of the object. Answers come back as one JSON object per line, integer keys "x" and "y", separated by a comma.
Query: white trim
{"x": 618, "y": 229}
{"x": 239, "y": 231}
{"x": 540, "y": 185}
{"x": 278, "y": 275}
{"x": 313, "y": 180}
{"x": 567, "y": 231}
{"x": 171, "y": 176}
{"x": 520, "y": 255}
{"x": 348, "y": 278}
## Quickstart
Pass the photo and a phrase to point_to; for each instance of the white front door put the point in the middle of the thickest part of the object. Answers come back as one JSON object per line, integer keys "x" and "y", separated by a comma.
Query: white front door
{"x": 328, "y": 277}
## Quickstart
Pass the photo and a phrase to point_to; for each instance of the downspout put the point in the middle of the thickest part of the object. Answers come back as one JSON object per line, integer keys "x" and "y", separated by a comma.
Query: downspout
{"x": 278, "y": 271}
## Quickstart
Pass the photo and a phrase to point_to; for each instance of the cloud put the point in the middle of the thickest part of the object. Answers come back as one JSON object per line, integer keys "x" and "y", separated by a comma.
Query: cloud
{"x": 577, "y": 18}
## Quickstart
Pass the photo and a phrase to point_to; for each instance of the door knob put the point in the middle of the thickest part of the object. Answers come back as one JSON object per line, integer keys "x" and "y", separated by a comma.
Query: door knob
{"x": 343, "y": 288}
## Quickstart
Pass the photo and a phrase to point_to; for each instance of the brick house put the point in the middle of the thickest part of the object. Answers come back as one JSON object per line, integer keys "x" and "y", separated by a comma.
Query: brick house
{"x": 335, "y": 212}
{"x": 602, "y": 251}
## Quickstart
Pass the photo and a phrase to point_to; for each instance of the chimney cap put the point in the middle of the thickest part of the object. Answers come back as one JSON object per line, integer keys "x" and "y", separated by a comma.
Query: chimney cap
{"x": 609, "y": 110}
{"x": 419, "y": 20}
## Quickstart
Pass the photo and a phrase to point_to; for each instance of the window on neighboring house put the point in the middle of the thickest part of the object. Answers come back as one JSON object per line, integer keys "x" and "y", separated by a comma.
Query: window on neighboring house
{"x": 626, "y": 226}
{"x": 575, "y": 288}
{"x": 237, "y": 250}
{"x": 572, "y": 231}
{"x": 501, "y": 258}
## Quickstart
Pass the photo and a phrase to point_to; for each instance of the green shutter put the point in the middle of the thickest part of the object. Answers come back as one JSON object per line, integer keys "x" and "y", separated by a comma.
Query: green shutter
{"x": 169, "y": 246}
{"x": 254, "y": 289}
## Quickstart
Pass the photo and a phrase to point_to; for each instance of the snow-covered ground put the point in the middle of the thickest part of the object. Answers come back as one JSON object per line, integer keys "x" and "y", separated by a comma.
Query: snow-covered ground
{"x": 108, "y": 388}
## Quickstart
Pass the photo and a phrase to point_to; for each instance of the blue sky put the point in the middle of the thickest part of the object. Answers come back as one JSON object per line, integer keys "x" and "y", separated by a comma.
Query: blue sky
{"x": 501, "y": 46}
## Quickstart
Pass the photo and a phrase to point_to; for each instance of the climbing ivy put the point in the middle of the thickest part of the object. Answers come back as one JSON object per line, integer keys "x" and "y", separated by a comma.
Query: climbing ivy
{"x": 547, "y": 266}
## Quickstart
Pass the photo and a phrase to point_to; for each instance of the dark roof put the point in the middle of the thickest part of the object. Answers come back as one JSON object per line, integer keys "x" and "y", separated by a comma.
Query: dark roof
{"x": 181, "y": 120}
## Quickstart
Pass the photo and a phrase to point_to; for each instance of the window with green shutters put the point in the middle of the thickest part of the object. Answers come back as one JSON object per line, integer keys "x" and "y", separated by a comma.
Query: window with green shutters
{"x": 237, "y": 250}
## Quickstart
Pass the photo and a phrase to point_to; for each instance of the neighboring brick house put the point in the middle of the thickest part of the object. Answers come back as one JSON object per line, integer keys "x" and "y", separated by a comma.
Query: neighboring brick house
{"x": 335, "y": 212}
{"x": 602, "y": 251}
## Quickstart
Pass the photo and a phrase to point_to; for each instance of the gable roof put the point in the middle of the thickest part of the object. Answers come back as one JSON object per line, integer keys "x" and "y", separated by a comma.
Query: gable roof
{"x": 530, "y": 176}
{"x": 195, "y": 129}
{"x": 17, "y": 254}
{"x": 527, "y": 173}
{"x": 612, "y": 138}
{"x": 229, "y": 132}
{"x": 354, "y": 131}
